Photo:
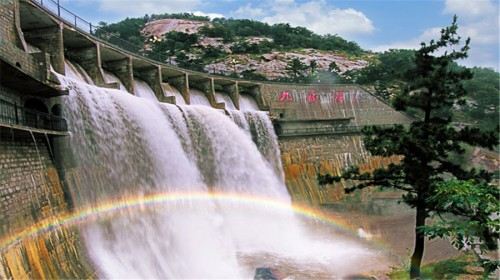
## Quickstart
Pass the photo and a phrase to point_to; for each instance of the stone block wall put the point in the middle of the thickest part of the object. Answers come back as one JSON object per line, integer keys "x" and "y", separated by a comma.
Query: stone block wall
{"x": 305, "y": 157}
{"x": 31, "y": 191}
{"x": 27, "y": 175}
{"x": 7, "y": 20}
{"x": 12, "y": 45}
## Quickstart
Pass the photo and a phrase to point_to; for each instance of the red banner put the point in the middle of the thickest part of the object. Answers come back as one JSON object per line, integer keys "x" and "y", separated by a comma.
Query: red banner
{"x": 312, "y": 97}
{"x": 285, "y": 96}
{"x": 339, "y": 97}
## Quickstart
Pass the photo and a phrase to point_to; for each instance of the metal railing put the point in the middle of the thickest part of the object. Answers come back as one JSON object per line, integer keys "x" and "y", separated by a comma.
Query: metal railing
{"x": 55, "y": 8}
{"x": 12, "y": 114}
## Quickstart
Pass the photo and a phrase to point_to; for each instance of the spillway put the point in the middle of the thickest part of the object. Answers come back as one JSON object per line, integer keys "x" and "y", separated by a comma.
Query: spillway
{"x": 132, "y": 146}
{"x": 199, "y": 98}
{"x": 112, "y": 78}
{"x": 221, "y": 97}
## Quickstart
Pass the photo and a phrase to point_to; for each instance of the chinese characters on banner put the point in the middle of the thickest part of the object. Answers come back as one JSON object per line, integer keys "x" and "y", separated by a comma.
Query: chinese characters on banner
{"x": 312, "y": 97}
{"x": 338, "y": 97}
{"x": 285, "y": 96}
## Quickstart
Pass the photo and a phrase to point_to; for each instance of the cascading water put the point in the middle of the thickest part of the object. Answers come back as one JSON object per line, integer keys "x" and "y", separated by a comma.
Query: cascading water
{"x": 198, "y": 98}
{"x": 126, "y": 146}
{"x": 171, "y": 91}
{"x": 142, "y": 89}
{"x": 221, "y": 97}
{"x": 112, "y": 78}
{"x": 247, "y": 103}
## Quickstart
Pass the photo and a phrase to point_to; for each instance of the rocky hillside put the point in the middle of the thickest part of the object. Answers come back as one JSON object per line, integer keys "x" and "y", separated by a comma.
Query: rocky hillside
{"x": 273, "y": 65}
{"x": 236, "y": 57}
{"x": 240, "y": 48}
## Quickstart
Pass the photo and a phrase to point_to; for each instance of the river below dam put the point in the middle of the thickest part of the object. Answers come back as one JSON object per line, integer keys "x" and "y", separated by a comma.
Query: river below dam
{"x": 188, "y": 191}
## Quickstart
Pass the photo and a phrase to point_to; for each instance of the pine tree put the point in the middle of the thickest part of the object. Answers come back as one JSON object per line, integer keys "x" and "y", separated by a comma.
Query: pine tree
{"x": 296, "y": 69}
{"x": 313, "y": 65}
{"x": 433, "y": 88}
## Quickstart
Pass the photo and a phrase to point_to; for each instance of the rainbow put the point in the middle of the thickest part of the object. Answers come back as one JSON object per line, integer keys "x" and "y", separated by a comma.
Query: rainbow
{"x": 141, "y": 202}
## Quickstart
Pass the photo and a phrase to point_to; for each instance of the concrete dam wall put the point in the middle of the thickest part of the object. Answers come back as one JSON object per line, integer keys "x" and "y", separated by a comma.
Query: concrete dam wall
{"x": 44, "y": 175}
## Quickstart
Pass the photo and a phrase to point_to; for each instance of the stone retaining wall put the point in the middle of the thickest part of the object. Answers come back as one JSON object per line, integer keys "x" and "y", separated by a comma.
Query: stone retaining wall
{"x": 307, "y": 156}
{"x": 31, "y": 191}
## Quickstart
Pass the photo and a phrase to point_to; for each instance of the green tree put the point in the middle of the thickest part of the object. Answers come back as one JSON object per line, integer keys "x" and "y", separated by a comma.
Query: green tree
{"x": 475, "y": 224}
{"x": 426, "y": 144}
{"x": 172, "y": 43}
{"x": 296, "y": 69}
{"x": 388, "y": 74}
{"x": 482, "y": 103}
{"x": 252, "y": 75}
{"x": 313, "y": 65}
{"x": 333, "y": 67}
{"x": 211, "y": 52}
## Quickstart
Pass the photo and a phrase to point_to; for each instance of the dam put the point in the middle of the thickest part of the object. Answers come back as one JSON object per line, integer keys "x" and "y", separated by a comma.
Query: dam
{"x": 117, "y": 166}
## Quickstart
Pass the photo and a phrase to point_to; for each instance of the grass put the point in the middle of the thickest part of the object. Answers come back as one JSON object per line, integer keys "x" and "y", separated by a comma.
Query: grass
{"x": 457, "y": 268}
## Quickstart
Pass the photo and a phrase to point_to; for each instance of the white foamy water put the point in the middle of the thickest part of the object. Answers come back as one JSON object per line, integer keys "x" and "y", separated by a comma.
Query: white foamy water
{"x": 198, "y": 98}
{"x": 126, "y": 146}
{"x": 112, "y": 78}
{"x": 172, "y": 91}
{"x": 142, "y": 89}
{"x": 247, "y": 103}
{"x": 223, "y": 97}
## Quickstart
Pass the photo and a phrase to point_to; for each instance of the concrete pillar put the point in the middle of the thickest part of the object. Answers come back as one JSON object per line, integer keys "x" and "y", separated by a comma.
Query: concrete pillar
{"x": 123, "y": 70}
{"x": 181, "y": 83}
{"x": 49, "y": 40}
{"x": 168, "y": 99}
{"x": 233, "y": 92}
{"x": 18, "y": 33}
{"x": 210, "y": 93}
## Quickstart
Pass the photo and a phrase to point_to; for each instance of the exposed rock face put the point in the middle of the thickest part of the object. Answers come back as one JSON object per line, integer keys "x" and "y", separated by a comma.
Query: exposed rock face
{"x": 206, "y": 42}
{"x": 160, "y": 27}
{"x": 485, "y": 159}
{"x": 273, "y": 65}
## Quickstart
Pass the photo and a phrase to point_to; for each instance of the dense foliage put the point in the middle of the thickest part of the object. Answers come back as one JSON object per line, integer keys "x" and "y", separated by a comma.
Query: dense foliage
{"x": 426, "y": 144}
{"x": 475, "y": 224}
{"x": 482, "y": 102}
{"x": 285, "y": 37}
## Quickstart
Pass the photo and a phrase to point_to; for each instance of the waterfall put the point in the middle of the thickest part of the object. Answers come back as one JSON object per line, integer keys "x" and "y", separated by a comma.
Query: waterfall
{"x": 126, "y": 146}
{"x": 112, "y": 78}
{"x": 172, "y": 91}
{"x": 221, "y": 97}
{"x": 247, "y": 103}
{"x": 198, "y": 98}
{"x": 142, "y": 89}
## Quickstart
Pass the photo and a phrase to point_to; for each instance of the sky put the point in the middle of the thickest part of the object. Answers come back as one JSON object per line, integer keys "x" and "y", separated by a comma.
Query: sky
{"x": 376, "y": 25}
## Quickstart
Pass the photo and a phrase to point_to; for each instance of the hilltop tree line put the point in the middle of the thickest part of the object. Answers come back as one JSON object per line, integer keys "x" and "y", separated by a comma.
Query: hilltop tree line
{"x": 282, "y": 37}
